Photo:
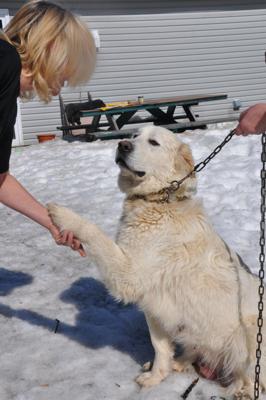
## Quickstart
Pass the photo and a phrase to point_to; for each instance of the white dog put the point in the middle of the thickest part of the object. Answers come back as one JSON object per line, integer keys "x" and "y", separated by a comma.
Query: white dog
{"x": 168, "y": 259}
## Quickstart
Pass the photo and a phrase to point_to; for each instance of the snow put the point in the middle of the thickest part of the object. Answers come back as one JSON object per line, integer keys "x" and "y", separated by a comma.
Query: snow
{"x": 100, "y": 345}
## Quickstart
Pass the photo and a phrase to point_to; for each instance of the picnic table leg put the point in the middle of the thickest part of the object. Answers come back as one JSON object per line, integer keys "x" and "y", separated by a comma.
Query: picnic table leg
{"x": 170, "y": 111}
{"x": 95, "y": 123}
{"x": 192, "y": 117}
{"x": 112, "y": 122}
{"x": 124, "y": 118}
{"x": 162, "y": 117}
{"x": 189, "y": 113}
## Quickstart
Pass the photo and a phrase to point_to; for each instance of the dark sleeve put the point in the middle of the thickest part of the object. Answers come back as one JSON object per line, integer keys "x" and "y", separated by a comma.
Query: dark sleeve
{"x": 10, "y": 68}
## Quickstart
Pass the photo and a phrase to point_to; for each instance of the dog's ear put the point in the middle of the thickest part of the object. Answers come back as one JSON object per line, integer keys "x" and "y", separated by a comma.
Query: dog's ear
{"x": 185, "y": 152}
{"x": 184, "y": 164}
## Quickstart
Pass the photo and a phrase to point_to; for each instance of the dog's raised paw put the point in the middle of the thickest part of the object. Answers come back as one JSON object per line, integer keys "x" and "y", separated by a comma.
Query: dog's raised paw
{"x": 56, "y": 213}
{"x": 64, "y": 218}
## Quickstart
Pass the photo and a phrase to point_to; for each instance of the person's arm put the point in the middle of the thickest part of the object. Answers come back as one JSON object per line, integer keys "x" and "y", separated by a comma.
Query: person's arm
{"x": 15, "y": 196}
{"x": 252, "y": 120}
{"x": 2, "y": 178}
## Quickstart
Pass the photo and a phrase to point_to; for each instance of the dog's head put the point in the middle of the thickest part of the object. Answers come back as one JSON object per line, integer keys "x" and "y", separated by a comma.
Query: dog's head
{"x": 152, "y": 160}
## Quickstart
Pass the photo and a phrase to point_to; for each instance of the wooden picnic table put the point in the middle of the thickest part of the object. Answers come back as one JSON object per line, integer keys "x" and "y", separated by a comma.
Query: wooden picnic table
{"x": 161, "y": 111}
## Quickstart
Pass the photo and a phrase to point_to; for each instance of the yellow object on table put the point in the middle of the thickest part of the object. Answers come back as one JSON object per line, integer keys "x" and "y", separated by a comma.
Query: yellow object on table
{"x": 114, "y": 105}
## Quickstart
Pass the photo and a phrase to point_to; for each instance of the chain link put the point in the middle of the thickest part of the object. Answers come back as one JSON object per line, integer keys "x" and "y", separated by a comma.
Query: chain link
{"x": 174, "y": 185}
{"x": 217, "y": 150}
{"x": 261, "y": 271}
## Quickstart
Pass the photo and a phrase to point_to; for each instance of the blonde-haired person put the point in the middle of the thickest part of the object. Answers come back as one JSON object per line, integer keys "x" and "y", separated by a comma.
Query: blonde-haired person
{"x": 42, "y": 47}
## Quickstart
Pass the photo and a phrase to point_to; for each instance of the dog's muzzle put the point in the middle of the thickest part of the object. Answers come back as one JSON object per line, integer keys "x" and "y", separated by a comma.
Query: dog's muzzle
{"x": 124, "y": 148}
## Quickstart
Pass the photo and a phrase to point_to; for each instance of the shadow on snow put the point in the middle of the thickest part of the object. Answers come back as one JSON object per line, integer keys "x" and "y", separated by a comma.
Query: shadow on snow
{"x": 10, "y": 280}
{"x": 101, "y": 320}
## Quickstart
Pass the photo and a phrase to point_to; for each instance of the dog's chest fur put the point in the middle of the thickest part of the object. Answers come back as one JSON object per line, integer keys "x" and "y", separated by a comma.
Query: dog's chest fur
{"x": 160, "y": 227}
{"x": 171, "y": 247}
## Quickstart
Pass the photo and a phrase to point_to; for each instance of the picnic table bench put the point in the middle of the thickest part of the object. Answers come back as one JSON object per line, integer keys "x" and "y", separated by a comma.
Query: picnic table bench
{"x": 161, "y": 111}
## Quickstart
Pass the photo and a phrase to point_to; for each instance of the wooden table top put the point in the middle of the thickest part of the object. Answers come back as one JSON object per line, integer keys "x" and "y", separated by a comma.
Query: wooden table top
{"x": 146, "y": 103}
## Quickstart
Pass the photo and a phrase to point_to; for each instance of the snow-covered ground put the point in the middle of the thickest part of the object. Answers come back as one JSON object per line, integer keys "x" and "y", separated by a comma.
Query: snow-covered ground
{"x": 100, "y": 345}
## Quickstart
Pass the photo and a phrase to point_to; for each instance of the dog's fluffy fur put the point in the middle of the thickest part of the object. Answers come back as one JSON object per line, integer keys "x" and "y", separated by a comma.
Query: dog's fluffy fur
{"x": 169, "y": 260}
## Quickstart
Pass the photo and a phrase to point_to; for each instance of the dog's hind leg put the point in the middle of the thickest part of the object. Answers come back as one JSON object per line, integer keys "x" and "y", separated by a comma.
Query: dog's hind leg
{"x": 164, "y": 352}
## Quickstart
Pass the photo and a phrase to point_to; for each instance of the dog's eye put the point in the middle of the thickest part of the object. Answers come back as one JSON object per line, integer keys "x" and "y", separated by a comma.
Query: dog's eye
{"x": 135, "y": 136}
{"x": 153, "y": 142}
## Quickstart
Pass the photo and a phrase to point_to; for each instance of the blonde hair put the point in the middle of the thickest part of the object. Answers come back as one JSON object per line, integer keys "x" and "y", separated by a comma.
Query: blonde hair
{"x": 52, "y": 43}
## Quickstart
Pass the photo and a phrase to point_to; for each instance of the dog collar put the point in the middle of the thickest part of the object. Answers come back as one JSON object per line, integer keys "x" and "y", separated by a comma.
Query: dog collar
{"x": 163, "y": 196}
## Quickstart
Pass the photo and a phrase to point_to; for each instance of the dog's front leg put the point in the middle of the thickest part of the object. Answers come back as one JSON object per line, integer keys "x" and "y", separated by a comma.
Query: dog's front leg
{"x": 164, "y": 352}
{"x": 112, "y": 262}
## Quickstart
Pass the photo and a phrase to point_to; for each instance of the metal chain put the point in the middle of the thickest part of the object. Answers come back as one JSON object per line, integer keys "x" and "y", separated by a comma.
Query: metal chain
{"x": 261, "y": 271}
{"x": 217, "y": 150}
{"x": 174, "y": 185}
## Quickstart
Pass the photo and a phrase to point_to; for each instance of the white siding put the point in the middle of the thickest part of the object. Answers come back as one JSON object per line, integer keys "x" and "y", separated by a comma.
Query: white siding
{"x": 182, "y": 47}
{"x": 118, "y": 7}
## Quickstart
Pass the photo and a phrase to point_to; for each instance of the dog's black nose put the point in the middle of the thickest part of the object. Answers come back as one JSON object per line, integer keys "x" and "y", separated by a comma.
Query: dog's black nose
{"x": 125, "y": 146}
